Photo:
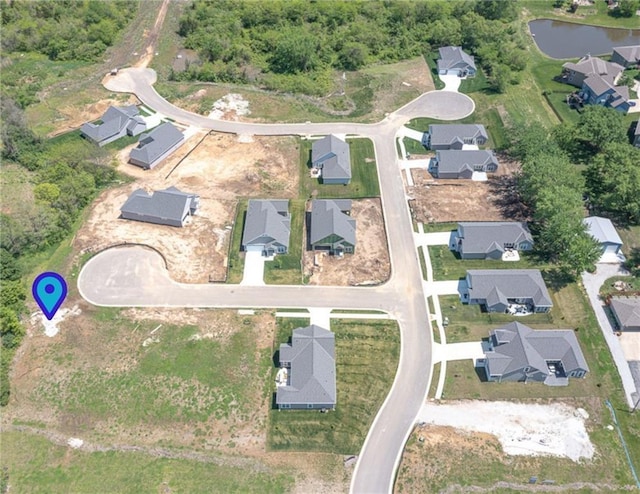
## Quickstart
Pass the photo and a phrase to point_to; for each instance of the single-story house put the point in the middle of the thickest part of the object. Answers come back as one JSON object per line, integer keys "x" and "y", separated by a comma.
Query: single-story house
{"x": 636, "y": 135}
{"x": 331, "y": 155}
{"x": 267, "y": 226}
{"x": 462, "y": 164}
{"x": 626, "y": 311}
{"x": 596, "y": 90}
{"x": 311, "y": 370}
{"x": 627, "y": 56}
{"x": 156, "y": 145}
{"x": 498, "y": 290}
{"x": 332, "y": 228}
{"x": 116, "y": 122}
{"x": 576, "y": 73}
{"x": 454, "y": 61}
{"x": 454, "y": 136}
{"x": 602, "y": 230}
{"x": 169, "y": 207}
{"x": 490, "y": 239}
{"x": 516, "y": 352}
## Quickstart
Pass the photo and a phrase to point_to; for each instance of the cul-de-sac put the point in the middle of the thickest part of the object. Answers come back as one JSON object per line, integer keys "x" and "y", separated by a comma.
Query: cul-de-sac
{"x": 320, "y": 246}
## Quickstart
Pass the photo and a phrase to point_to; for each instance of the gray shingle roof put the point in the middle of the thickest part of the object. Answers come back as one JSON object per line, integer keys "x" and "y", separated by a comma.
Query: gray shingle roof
{"x": 114, "y": 121}
{"x": 630, "y": 53}
{"x": 327, "y": 218}
{"x": 503, "y": 284}
{"x": 267, "y": 221}
{"x": 170, "y": 204}
{"x": 594, "y": 65}
{"x": 334, "y": 155}
{"x": 627, "y": 310}
{"x": 154, "y": 144}
{"x": 516, "y": 346}
{"x": 602, "y": 230}
{"x": 455, "y": 161}
{"x": 452, "y": 57}
{"x": 311, "y": 356}
{"x": 485, "y": 236}
{"x": 448, "y": 134}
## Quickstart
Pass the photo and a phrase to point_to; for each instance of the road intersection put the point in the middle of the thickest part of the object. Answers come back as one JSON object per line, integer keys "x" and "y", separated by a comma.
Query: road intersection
{"x": 134, "y": 276}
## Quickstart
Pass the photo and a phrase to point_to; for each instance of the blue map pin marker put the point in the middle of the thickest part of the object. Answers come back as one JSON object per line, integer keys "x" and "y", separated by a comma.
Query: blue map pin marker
{"x": 49, "y": 290}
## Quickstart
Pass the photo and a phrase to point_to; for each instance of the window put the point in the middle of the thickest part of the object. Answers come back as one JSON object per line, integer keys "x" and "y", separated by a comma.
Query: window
{"x": 309, "y": 405}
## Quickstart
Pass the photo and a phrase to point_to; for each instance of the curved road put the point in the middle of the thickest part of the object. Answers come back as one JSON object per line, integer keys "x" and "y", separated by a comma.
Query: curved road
{"x": 136, "y": 276}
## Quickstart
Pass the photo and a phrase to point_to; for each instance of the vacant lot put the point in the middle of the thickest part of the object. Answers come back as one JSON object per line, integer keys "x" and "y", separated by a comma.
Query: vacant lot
{"x": 220, "y": 169}
{"x": 437, "y": 200}
{"x": 366, "y": 359}
{"x": 370, "y": 262}
{"x": 154, "y": 390}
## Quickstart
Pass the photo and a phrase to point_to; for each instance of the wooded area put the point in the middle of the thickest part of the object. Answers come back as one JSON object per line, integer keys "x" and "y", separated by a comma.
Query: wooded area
{"x": 295, "y": 46}
{"x": 557, "y": 192}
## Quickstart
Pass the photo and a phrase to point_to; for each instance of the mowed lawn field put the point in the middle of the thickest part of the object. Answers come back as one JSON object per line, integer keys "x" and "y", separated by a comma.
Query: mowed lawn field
{"x": 367, "y": 353}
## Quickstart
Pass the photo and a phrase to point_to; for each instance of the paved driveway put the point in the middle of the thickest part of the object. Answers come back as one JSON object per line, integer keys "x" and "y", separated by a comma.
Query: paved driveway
{"x": 468, "y": 350}
{"x": 435, "y": 238}
{"x": 451, "y": 82}
{"x": 253, "y": 274}
{"x": 592, "y": 284}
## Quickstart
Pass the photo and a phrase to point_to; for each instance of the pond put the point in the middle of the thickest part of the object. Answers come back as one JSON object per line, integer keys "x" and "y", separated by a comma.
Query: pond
{"x": 558, "y": 39}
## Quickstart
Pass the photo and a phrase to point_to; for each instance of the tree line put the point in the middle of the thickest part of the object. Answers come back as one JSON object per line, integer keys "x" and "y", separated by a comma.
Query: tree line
{"x": 64, "y": 29}
{"x": 558, "y": 193}
{"x": 295, "y": 45}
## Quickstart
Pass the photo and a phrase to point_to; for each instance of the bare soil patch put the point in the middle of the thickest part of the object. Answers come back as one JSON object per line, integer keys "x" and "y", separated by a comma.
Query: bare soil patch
{"x": 368, "y": 265}
{"x": 220, "y": 170}
{"x": 71, "y": 116}
{"x": 440, "y": 200}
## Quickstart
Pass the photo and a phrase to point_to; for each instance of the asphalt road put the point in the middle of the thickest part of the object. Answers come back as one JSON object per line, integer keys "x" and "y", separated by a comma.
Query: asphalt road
{"x": 137, "y": 277}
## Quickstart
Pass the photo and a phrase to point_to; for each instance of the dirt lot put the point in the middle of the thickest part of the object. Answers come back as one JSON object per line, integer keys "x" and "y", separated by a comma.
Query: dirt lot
{"x": 437, "y": 200}
{"x": 370, "y": 262}
{"x": 220, "y": 169}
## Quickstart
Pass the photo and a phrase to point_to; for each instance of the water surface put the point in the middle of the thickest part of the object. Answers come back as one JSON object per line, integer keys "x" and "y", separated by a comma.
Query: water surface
{"x": 559, "y": 39}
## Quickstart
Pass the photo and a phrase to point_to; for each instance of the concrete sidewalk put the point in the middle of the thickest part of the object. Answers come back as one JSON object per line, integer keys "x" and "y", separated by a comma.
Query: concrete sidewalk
{"x": 592, "y": 284}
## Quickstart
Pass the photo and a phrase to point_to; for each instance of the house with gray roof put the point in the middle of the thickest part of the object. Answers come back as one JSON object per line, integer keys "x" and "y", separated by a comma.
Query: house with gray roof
{"x": 332, "y": 157}
{"x": 454, "y": 61}
{"x": 516, "y": 352}
{"x": 626, "y": 311}
{"x": 170, "y": 207}
{"x": 311, "y": 370}
{"x": 576, "y": 73}
{"x": 454, "y": 136}
{"x": 597, "y": 90}
{"x": 636, "y": 135}
{"x": 603, "y": 231}
{"x": 331, "y": 226}
{"x": 116, "y": 122}
{"x": 155, "y": 146}
{"x": 503, "y": 290}
{"x": 490, "y": 239}
{"x": 627, "y": 56}
{"x": 267, "y": 226}
{"x": 462, "y": 164}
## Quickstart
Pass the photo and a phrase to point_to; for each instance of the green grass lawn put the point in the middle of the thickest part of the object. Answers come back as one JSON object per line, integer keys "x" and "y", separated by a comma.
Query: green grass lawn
{"x": 414, "y": 147}
{"x": 34, "y": 464}
{"x": 173, "y": 380}
{"x": 432, "y": 61}
{"x": 235, "y": 267}
{"x": 607, "y": 288}
{"x": 364, "y": 175}
{"x": 367, "y": 354}
{"x": 286, "y": 269}
{"x": 448, "y": 266}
